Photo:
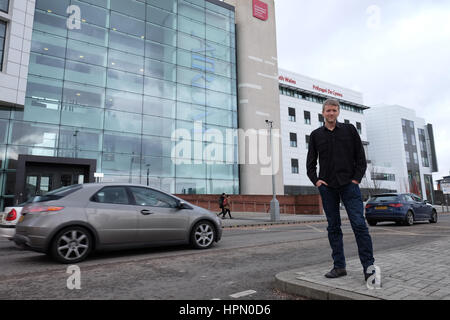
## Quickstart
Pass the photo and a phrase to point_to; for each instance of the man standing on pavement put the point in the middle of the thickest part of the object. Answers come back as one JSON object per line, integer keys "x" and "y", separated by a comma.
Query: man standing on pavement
{"x": 342, "y": 166}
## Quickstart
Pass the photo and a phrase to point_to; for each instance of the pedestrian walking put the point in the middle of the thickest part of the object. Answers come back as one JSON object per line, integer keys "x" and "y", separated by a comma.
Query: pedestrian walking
{"x": 227, "y": 206}
{"x": 221, "y": 199}
{"x": 342, "y": 164}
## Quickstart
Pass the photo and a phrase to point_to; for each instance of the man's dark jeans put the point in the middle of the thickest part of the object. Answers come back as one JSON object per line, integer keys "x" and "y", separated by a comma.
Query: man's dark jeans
{"x": 351, "y": 197}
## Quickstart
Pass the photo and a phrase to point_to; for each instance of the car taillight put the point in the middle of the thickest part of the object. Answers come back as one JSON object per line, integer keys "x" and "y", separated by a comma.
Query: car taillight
{"x": 369, "y": 206}
{"x": 12, "y": 215}
{"x": 36, "y": 209}
{"x": 396, "y": 205}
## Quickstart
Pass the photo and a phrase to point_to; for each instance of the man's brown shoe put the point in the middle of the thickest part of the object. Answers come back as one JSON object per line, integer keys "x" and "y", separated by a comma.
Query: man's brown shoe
{"x": 336, "y": 273}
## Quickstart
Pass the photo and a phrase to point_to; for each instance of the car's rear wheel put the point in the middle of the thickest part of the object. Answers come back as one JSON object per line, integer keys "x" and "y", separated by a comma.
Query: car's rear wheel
{"x": 203, "y": 235}
{"x": 409, "y": 219}
{"x": 434, "y": 217}
{"x": 372, "y": 223}
{"x": 72, "y": 245}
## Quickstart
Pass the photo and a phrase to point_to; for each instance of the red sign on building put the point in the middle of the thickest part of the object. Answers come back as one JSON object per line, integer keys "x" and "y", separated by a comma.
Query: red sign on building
{"x": 286, "y": 79}
{"x": 260, "y": 10}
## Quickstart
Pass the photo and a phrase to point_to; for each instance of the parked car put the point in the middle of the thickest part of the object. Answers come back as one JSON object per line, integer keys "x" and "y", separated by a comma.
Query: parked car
{"x": 71, "y": 222}
{"x": 403, "y": 208}
{"x": 8, "y": 221}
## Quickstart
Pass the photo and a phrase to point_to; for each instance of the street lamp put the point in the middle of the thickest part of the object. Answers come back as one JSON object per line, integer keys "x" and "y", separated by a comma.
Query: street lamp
{"x": 274, "y": 204}
{"x": 76, "y": 142}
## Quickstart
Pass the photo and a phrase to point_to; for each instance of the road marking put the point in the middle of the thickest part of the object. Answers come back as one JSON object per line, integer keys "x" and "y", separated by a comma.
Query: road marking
{"x": 419, "y": 234}
{"x": 441, "y": 227}
{"x": 314, "y": 228}
{"x": 400, "y": 232}
{"x": 242, "y": 294}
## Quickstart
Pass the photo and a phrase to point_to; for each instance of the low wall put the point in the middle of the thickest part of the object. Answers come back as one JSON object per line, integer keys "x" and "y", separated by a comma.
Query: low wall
{"x": 301, "y": 204}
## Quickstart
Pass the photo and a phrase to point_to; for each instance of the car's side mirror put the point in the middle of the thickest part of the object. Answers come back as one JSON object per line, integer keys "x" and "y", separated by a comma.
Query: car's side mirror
{"x": 182, "y": 205}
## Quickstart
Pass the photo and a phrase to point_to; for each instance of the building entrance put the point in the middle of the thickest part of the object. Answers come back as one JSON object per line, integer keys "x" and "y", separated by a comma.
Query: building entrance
{"x": 38, "y": 175}
{"x": 42, "y": 178}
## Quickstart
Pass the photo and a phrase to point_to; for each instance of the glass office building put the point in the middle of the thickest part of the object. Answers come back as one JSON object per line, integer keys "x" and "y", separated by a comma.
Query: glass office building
{"x": 123, "y": 82}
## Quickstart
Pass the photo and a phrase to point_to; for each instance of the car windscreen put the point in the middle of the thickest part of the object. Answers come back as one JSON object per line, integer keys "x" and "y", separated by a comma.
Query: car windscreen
{"x": 385, "y": 198}
{"x": 57, "y": 193}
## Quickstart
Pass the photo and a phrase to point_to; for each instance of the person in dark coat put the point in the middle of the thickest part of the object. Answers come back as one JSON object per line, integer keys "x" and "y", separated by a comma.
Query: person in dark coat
{"x": 221, "y": 199}
{"x": 342, "y": 166}
{"x": 227, "y": 206}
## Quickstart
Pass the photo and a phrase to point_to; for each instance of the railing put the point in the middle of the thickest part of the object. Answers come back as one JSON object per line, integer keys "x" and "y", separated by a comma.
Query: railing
{"x": 245, "y": 206}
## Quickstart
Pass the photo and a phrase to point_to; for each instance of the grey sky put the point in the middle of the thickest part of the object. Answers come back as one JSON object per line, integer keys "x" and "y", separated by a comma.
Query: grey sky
{"x": 393, "y": 51}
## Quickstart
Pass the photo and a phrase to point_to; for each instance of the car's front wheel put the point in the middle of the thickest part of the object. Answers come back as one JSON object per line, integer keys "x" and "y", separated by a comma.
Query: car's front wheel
{"x": 72, "y": 245}
{"x": 203, "y": 235}
{"x": 434, "y": 217}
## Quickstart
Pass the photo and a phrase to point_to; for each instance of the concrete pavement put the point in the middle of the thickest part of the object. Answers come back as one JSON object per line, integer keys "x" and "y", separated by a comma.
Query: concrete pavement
{"x": 417, "y": 274}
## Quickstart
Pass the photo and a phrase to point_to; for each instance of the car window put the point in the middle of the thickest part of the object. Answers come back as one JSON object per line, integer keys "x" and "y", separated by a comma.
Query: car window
{"x": 64, "y": 191}
{"x": 116, "y": 195}
{"x": 152, "y": 198}
{"x": 416, "y": 198}
{"x": 408, "y": 198}
{"x": 55, "y": 194}
{"x": 385, "y": 198}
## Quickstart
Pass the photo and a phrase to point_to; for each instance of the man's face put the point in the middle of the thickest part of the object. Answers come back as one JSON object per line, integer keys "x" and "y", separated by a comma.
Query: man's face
{"x": 330, "y": 113}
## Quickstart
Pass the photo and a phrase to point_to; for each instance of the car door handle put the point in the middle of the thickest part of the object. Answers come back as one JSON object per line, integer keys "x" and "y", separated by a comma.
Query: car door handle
{"x": 146, "y": 212}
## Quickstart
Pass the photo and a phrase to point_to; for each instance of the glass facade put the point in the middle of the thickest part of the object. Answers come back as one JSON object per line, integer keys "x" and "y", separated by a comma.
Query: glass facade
{"x": 4, "y": 5}
{"x": 134, "y": 81}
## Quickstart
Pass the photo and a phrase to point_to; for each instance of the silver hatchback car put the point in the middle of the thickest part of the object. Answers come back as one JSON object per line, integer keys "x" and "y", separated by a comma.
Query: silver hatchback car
{"x": 71, "y": 222}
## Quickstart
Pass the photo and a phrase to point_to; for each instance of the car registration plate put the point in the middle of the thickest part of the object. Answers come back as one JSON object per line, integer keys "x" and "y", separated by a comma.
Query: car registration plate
{"x": 381, "y": 208}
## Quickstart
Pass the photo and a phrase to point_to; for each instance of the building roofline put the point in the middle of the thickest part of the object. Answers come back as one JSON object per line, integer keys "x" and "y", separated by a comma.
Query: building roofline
{"x": 222, "y": 4}
{"x": 322, "y": 81}
{"x": 325, "y": 96}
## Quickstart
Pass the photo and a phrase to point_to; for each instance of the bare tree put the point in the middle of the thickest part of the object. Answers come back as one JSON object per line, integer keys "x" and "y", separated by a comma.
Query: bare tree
{"x": 374, "y": 184}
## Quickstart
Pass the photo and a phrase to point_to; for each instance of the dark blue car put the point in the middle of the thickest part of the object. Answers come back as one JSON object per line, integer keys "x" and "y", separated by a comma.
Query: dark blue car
{"x": 403, "y": 208}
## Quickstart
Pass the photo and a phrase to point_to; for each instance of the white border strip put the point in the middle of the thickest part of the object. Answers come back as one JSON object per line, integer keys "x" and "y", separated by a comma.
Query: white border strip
{"x": 255, "y": 58}
{"x": 250, "y": 85}
{"x": 259, "y": 113}
{"x": 267, "y": 76}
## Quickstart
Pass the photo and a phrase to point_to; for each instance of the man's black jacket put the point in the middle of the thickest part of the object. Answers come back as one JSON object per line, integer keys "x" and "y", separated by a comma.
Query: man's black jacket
{"x": 341, "y": 155}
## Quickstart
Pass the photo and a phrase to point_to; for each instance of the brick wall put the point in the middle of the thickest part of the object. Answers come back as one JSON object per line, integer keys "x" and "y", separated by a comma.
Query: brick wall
{"x": 301, "y": 204}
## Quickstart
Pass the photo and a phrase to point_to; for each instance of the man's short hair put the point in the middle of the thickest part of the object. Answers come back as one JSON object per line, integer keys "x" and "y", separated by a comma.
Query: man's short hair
{"x": 331, "y": 102}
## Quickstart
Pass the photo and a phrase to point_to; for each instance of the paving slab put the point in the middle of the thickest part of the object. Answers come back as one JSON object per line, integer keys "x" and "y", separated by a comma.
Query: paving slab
{"x": 401, "y": 277}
